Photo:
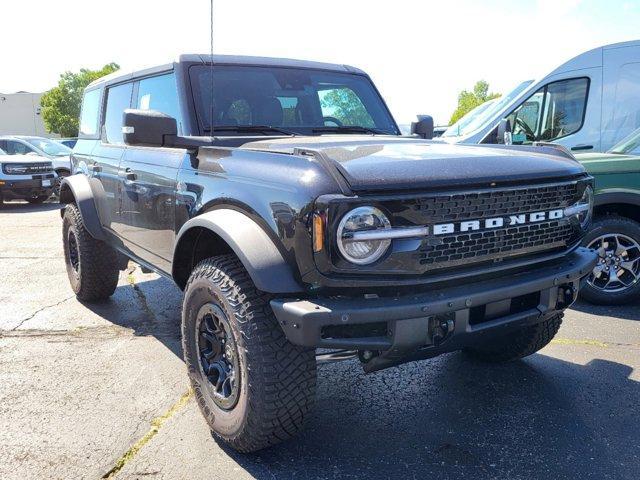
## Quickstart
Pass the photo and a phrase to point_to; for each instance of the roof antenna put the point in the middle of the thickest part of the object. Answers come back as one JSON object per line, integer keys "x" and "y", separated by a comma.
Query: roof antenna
{"x": 211, "y": 74}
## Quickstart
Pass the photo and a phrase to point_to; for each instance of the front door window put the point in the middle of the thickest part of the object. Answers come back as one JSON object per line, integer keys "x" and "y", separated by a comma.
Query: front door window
{"x": 552, "y": 112}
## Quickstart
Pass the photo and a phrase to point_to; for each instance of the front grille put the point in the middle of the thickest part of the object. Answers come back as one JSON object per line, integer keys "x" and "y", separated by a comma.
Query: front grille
{"x": 464, "y": 248}
{"x": 26, "y": 168}
{"x": 457, "y": 249}
{"x": 488, "y": 204}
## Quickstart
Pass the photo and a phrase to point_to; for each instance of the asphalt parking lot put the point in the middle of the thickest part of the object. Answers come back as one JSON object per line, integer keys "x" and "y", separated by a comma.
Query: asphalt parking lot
{"x": 92, "y": 391}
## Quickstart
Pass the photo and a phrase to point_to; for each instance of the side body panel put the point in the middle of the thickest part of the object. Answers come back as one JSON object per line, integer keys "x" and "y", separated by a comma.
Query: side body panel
{"x": 613, "y": 172}
{"x": 148, "y": 202}
{"x": 276, "y": 191}
{"x": 621, "y": 97}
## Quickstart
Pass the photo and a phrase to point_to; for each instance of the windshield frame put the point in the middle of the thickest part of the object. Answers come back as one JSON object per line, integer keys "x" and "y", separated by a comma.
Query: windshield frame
{"x": 203, "y": 129}
{"x": 479, "y": 120}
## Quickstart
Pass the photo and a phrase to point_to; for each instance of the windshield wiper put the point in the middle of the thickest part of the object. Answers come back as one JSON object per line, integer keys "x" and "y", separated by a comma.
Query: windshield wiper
{"x": 265, "y": 129}
{"x": 349, "y": 129}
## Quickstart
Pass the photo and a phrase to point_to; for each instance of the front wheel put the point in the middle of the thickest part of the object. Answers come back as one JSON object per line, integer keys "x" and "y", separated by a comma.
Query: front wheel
{"x": 519, "y": 344}
{"x": 253, "y": 387}
{"x": 615, "y": 279}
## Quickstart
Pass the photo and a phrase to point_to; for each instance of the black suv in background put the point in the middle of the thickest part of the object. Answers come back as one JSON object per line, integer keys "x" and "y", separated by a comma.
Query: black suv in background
{"x": 281, "y": 197}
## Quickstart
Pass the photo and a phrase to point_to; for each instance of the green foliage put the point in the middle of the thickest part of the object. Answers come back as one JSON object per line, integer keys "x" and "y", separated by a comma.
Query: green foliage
{"x": 345, "y": 105}
{"x": 467, "y": 101}
{"x": 61, "y": 105}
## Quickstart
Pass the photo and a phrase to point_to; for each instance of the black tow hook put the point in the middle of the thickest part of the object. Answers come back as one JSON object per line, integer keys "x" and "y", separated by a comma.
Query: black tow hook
{"x": 441, "y": 328}
{"x": 567, "y": 294}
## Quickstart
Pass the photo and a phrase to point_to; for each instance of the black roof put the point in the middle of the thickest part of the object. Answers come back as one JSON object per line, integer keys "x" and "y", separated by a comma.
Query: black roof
{"x": 120, "y": 76}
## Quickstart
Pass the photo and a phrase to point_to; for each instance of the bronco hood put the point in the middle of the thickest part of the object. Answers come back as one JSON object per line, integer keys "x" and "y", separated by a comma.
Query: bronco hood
{"x": 397, "y": 163}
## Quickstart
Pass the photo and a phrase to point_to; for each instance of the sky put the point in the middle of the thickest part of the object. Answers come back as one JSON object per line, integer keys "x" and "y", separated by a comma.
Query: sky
{"x": 419, "y": 53}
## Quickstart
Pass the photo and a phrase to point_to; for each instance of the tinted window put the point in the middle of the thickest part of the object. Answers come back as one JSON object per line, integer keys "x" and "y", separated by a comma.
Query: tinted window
{"x": 298, "y": 99}
{"x": 564, "y": 106}
{"x": 160, "y": 93}
{"x": 90, "y": 111}
{"x": 341, "y": 106}
{"x": 554, "y": 111}
{"x": 118, "y": 99}
{"x": 16, "y": 148}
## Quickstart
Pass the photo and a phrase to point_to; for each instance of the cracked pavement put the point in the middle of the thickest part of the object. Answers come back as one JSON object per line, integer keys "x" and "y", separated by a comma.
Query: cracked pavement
{"x": 90, "y": 389}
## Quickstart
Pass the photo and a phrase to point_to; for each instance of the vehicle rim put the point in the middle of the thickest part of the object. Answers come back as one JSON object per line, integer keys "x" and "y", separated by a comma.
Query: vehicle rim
{"x": 618, "y": 266}
{"x": 74, "y": 252}
{"x": 218, "y": 355}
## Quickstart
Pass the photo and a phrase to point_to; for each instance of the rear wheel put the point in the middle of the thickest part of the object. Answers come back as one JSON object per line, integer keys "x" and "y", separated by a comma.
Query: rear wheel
{"x": 61, "y": 174}
{"x": 616, "y": 277}
{"x": 253, "y": 387}
{"x": 92, "y": 265}
{"x": 519, "y": 344}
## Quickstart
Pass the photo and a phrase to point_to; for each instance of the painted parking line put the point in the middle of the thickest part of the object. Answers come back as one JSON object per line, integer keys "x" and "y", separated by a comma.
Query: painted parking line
{"x": 156, "y": 424}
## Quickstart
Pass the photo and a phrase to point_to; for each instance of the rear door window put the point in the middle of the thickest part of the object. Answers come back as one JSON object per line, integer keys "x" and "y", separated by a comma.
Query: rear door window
{"x": 118, "y": 99}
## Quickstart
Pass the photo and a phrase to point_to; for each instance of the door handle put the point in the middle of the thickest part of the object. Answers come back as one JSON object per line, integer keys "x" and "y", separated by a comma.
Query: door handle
{"x": 128, "y": 174}
{"x": 581, "y": 147}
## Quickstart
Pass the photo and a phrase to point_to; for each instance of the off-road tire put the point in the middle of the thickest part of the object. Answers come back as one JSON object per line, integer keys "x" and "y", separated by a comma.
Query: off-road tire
{"x": 96, "y": 277}
{"x": 277, "y": 378}
{"x": 37, "y": 200}
{"x": 603, "y": 225}
{"x": 519, "y": 344}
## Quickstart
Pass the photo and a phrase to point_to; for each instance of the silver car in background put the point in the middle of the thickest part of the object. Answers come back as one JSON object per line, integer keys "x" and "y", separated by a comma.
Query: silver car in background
{"x": 56, "y": 152}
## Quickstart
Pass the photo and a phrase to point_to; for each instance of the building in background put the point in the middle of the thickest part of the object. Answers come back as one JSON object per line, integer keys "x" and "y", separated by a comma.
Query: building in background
{"x": 20, "y": 114}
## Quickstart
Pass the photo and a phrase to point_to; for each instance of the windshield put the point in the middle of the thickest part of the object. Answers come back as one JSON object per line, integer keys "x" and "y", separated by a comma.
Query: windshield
{"x": 49, "y": 147}
{"x": 462, "y": 122}
{"x": 629, "y": 145}
{"x": 476, "y": 119}
{"x": 300, "y": 101}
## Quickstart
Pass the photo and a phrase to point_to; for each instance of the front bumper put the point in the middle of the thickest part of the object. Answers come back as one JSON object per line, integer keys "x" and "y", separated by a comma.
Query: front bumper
{"x": 27, "y": 188}
{"x": 441, "y": 320}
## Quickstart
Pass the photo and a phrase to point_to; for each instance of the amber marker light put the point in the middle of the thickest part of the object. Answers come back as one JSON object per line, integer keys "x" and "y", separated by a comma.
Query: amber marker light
{"x": 318, "y": 232}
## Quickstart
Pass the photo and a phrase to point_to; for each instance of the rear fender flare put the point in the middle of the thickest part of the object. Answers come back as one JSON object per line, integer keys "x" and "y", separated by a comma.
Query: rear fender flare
{"x": 77, "y": 189}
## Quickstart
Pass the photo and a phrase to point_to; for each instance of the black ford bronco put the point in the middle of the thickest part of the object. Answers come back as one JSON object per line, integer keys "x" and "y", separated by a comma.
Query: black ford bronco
{"x": 282, "y": 198}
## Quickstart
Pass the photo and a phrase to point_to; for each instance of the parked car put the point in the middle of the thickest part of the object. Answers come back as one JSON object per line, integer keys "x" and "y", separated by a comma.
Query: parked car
{"x": 69, "y": 142}
{"x": 293, "y": 214}
{"x": 26, "y": 177}
{"x": 589, "y": 103}
{"x": 59, "y": 154}
{"x": 615, "y": 232}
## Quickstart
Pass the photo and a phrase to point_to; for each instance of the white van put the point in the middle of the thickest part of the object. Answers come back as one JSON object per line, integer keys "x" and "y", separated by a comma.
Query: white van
{"x": 589, "y": 104}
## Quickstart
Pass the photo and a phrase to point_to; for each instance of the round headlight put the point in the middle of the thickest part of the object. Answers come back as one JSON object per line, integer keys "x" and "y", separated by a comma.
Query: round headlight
{"x": 582, "y": 210}
{"x": 362, "y": 251}
{"x": 587, "y": 201}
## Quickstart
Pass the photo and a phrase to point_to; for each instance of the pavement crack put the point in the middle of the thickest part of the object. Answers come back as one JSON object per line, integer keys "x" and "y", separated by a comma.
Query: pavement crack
{"x": 156, "y": 424}
{"x": 40, "y": 310}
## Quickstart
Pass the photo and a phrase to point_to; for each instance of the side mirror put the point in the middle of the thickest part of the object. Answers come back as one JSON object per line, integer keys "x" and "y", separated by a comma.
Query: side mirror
{"x": 147, "y": 128}
{"x": 423, "y": 127}
{"x": 504, "y": 132}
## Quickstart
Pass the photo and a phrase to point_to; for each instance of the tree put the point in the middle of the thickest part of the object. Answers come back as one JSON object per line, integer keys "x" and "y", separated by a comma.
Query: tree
{"x": 61, "y": 105}
{"x": 467, "y": 101}
{"x": 345, "y": 105}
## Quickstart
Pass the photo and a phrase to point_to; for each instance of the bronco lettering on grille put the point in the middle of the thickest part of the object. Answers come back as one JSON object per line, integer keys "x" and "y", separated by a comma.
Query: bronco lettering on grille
{"x": 498, "y": 222}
